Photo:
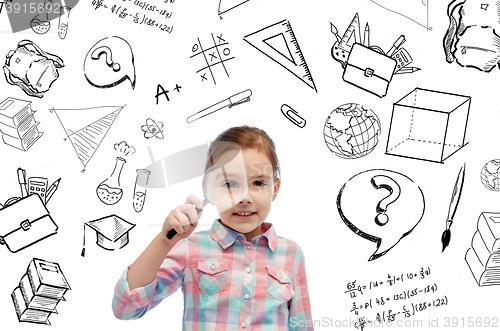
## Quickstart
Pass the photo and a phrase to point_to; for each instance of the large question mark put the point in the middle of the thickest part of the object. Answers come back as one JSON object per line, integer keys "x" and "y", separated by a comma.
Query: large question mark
{"x": 385, "y": 182}
{"x": 96, "y": 54}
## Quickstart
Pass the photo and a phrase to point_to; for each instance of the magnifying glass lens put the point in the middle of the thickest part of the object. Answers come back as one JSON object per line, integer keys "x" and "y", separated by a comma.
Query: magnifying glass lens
{"x": 224, "y": 185}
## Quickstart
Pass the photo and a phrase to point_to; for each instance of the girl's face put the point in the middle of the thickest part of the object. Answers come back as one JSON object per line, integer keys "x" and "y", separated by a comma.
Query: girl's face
{"x": 247, "y": 215}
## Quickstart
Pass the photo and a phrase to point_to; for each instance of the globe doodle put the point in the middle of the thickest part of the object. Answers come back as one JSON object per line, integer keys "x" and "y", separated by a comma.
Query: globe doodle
{"x": 351, "y": 131}
{"x": 490, "y": 175}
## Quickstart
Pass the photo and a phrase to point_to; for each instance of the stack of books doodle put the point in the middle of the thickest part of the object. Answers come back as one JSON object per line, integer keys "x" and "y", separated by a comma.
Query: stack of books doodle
{"x": 17, "y": 123}
{"x": 483, "y": 257}
{"x": 41, "y": 288}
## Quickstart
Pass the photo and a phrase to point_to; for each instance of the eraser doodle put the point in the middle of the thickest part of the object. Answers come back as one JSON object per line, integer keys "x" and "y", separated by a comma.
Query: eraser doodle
{"x": 365, "y": 207}
{"x": 110, "y": 62}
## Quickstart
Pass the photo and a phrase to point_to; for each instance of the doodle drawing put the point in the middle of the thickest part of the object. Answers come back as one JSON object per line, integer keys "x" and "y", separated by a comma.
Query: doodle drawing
{"x": 87, "y": 127}
{"x": 472, "y": 39}
{"x": 293, "y": 116}
{"x": 230, "y": 102}
{"x": 152, "y": 129}
{"x": 382, "y": 206}
{"x": 428, "y": 125}
{"x": 17, "y": 124}
{"x": 29, "y": 64}
{"x": 278, "y": 42}
{"x": 455, "y": 198}
{"x": 141, "y": 184}
{"x": 351, "y": 131}
{"x": 110, "y": 191}
{"x": 39, "y": 292}
{"x": 227, "y": 5}
{"x": 483, "y": 257}
{"x": 40, "y": 24}
{"x": 211, "y": 58}
{"x": 112, "y": 232}
{"x": 490, "y": 175}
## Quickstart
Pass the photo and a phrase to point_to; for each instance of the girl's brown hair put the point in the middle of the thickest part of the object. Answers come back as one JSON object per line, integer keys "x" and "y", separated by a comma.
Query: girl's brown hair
{"x": 246, "y": 137}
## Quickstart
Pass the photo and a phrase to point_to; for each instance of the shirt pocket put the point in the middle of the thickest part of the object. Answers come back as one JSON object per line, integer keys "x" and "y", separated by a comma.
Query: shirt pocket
{"x": 279, "y": 283}
{"x": 212, "y": 275}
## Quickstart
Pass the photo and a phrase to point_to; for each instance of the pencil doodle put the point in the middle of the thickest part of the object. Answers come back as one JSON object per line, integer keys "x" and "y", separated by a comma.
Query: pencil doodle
{"x": 278, "y": 42}
{"x": 365, "y": 65}
{"x": 414, "y": 10}
{"x": 428, "y": 125}
{"x": 455, "y": 198}
{"x": 472, "y": 36}
{"x": 152, "y": 129}
{"x": 293, "y": 116}
{"x": 86, "y": 128}
{"x": 227, "y": 5}
{"x": 351, "y": 131}
{"x": 483, "y": 257}
{"x": 230, "y": 102}
{"x": 109, "y": 63}
{"x": 211, "y": 58}
{"x": 17, "y": 124}
{"x": 112, "y": 232}
{"x": 367, "y": 209}
{"x": 39, "y": 291}
{"x": 140, "y": 188}
{"x": 490, "y": 175}
{"x": 109, "y": 190}
{"x": 124, "y": 148}
{"x": 28, "y": 63}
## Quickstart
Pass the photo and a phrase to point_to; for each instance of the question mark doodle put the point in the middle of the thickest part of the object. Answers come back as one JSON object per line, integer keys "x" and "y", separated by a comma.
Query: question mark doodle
{"x": 96, "y": 54}
{"x": 385, "y": 182}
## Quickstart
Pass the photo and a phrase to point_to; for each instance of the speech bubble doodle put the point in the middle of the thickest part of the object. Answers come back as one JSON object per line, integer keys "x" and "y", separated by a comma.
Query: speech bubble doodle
{"x": 109, "y": 63}
{"x": 358, "y": 205}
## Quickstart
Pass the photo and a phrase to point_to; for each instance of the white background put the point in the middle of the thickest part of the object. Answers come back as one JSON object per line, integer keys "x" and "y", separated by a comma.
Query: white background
{"x": 305, "y": 210}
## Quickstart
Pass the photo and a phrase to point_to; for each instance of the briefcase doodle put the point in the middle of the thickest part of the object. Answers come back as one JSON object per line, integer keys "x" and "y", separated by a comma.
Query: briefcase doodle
{"x": 369, "y": 70}
{"x": 24, "y": 223}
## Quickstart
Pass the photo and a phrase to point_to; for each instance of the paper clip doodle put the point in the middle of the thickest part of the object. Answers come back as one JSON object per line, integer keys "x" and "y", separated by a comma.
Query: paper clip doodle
{"x": 293, "y": 116}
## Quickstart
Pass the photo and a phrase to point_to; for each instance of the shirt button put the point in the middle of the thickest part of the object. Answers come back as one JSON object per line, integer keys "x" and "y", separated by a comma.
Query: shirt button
{"x": 212, "y": 267}
{"x": 248, "y": 270}
{"x": 246, "y": 296}
{"x": 243, "y": 325}
{"x": 249, "y": 247}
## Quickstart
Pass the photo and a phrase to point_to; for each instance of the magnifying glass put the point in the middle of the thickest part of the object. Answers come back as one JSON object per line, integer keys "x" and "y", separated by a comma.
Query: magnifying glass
{"x": 224, "y": 185}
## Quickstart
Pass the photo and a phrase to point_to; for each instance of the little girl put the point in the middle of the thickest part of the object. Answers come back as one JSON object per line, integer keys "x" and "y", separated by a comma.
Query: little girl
{"x": 238, "y": 275}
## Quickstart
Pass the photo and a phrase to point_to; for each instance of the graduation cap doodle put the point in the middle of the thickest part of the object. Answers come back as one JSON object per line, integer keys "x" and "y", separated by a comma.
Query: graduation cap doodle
{"x": 112, "y": 232}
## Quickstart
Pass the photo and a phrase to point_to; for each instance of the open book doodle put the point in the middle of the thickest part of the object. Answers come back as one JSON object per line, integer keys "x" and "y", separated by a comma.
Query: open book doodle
{"x": 87, "y": 127}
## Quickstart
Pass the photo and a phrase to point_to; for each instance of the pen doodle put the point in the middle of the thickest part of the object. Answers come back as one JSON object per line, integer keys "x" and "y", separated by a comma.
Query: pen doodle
{"x": 472, "y": 39}
{"x": 366, "y": 208}
{"x": 109, "y": 63}
{"x": 351, "y": 131}
{"x": 29, "y": 63}
{"x": 86, "y": 128}
{"x": 230, "y": 102}
{"x": 39, "y": 291}
{"x": 25, "y": 219}
{"x": 212, "y": 58}
{"x": 483, "y": 257}
{"x": 365, "y": 65}
{"x": 112, "y": 232}
{"x": 455, "y": 198}
{"x": 428, "y": 125}
{"x": 293, "y": 116}
{"x": 278, "y": 42}
{"x": 17, "y": 124}
{"x": 490, "y": 175}
{"x": 152, "y": 129}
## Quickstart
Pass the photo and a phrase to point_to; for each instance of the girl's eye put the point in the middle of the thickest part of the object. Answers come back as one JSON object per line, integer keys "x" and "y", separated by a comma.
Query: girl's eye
{"x": 230, "y": 184}
{"x": 259, "y": 183}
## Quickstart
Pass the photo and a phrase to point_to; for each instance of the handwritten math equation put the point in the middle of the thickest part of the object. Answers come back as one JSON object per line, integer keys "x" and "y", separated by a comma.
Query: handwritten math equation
{"x": 407, "y": 297}
{"x": 140, "y": 17}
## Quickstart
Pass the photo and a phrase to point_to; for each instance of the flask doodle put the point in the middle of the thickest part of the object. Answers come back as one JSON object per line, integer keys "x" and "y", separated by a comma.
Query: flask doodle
{"x": 385, "y": 182}
{"x": 108, "y": 54}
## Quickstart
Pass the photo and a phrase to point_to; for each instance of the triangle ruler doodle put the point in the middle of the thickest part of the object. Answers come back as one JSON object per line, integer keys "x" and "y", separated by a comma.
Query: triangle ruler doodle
{"x": 278, "y": 42}
{"x": 227, "y": 5}
{"x": 87, "y": 127}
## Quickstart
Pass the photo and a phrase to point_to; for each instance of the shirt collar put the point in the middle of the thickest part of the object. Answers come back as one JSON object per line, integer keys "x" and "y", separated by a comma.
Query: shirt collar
{"x": 226, "y": 236}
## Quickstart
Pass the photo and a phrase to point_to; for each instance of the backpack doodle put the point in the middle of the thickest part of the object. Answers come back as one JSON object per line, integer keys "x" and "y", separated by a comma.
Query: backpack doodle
{"x": 473, "y": 39}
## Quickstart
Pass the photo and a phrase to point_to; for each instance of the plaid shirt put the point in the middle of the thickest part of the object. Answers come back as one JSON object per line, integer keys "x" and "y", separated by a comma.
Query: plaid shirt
{"x": 229, "y": 283}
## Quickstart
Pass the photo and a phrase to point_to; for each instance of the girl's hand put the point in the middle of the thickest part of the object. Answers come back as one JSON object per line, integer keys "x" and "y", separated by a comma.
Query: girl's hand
{"x": 179, "y": 221}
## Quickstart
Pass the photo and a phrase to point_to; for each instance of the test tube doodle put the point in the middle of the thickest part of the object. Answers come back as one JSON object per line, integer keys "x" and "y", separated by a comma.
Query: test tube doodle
{"x": 140, "y": 189}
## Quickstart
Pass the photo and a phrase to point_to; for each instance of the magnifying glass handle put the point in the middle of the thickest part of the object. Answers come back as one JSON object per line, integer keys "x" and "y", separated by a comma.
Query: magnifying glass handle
{"x": 172, "y": 232}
